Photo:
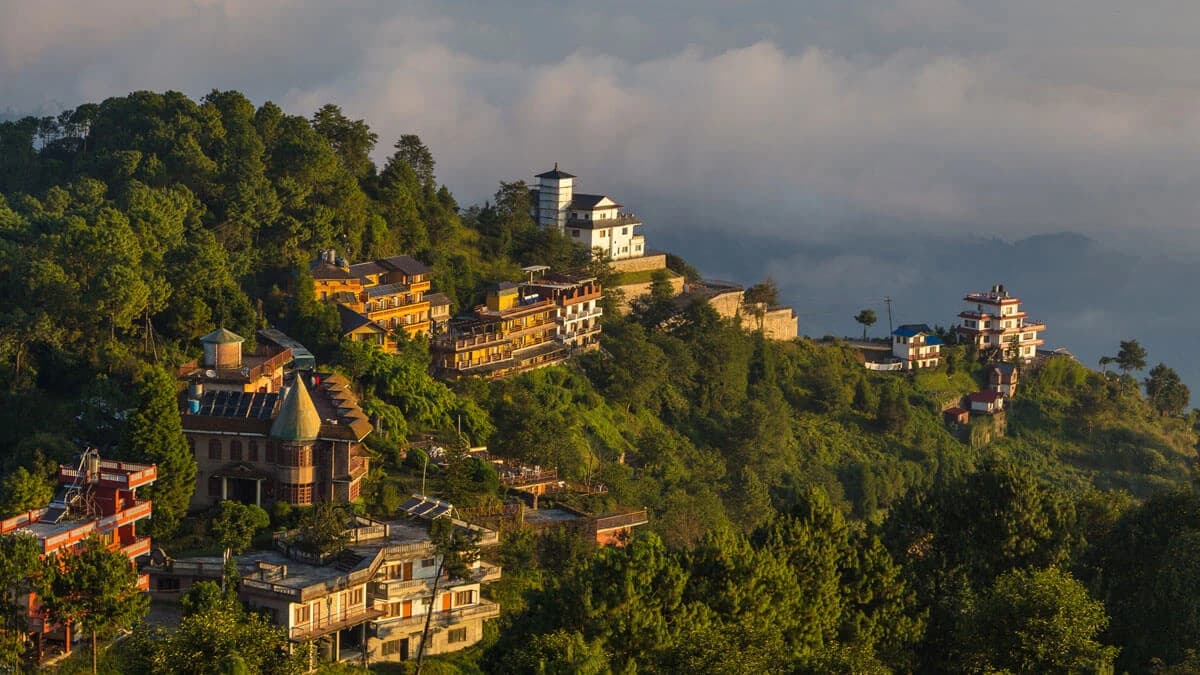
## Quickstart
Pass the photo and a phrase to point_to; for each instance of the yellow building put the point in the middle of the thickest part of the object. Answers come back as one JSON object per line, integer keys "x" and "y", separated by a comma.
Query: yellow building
{"x": 376, "y": 299}
{"x": 516, "y": 330}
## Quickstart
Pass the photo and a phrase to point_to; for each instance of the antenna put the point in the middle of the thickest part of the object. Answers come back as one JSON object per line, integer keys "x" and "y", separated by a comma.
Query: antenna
{"x": 888, "y": 299}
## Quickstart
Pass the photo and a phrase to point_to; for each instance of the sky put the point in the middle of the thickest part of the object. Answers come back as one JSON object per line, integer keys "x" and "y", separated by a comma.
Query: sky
{"x": 845, "y": 147}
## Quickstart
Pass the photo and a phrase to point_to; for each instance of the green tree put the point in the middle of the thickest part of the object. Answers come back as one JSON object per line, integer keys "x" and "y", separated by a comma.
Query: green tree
{"x": 351, "y": 140}
{"x": 1037, "y": 621}
{"x": 155, "y": 434}
{"x": 1166, "y": 391}
{"x": 1131, "y": 357}
{"x": 94, "y": 590}
{"x": 235, "y": 525}
{"x": 221, "y": 636}
{"x": 22, "y": 491}
{"x": 20, "y": 570}
{"x": 867, "y": 318}
{"x": 323, "y": 529}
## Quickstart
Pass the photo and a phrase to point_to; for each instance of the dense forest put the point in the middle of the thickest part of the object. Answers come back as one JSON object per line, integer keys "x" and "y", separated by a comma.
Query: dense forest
{"x": 806, "y": 515}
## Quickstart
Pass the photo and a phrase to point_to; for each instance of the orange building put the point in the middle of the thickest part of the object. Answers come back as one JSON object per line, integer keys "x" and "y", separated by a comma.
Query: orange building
{"x": 376, "y": 299}
{"x": 98, "y": 497}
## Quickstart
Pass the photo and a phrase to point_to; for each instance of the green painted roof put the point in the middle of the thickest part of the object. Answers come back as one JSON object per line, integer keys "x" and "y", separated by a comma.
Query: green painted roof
{"x": 298, "y": 419}
{"x": 222, "y": 336}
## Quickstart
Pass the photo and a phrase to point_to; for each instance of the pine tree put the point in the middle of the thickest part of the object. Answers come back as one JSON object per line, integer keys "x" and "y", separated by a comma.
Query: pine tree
{"x": 155, "y": 435}
{"x": 96, "y": 591}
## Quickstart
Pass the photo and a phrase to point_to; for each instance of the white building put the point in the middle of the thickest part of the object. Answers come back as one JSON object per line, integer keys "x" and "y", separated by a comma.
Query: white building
{"x": 916, "y": 346}
{"x": 995, "y": 323}
{"x": 596, "y": 221}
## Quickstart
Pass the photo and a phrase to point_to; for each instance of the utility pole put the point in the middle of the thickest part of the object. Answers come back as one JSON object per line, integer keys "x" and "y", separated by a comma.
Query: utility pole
{"x": 888, "y": 299}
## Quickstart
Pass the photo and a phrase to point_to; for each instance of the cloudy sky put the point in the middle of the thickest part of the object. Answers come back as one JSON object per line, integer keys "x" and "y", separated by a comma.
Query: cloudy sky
{"x": 797, "y": 123}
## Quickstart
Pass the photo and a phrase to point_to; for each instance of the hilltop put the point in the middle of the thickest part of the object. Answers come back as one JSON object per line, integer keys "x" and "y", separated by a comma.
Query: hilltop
{"x": 806, "y": 514}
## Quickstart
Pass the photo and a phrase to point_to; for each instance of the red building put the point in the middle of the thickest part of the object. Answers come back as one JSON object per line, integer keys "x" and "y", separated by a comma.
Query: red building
{"x": 99, "y": 497}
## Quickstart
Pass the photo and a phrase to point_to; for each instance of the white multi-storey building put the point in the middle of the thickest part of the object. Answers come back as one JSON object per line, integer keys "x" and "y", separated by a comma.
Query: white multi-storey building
{"x": 917, "y": 346}
{"x": 596, "y": 221}
{"x": 994, "y": 322}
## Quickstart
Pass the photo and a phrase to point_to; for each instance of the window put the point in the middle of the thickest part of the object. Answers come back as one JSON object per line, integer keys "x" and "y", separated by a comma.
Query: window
{"x": 252, "y": 453}
{"x": 296, "y": 493}
{"x": 456, "y": 635}
{"x": 214, "y": 486}
{"x": 391, "y": 647}
{"x": 464, "y": 598}
{"x": 624, "y": 230}
{"x": 235, "y": 450}
{"x": 302, "y": 614}
{"x": 575, "y": 233}
{"x": 603, "y": 233}
{"x": 428, "y": 562}
{"x": 214, "y": 449}
{"x": 270, "y": 451}
{"x": 353, "y": 597}
{"x": 168, "y": 584}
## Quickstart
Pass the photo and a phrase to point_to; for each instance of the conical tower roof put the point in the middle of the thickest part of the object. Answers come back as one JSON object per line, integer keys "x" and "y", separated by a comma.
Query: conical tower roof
{"x": 222, "y": 336}
{"x": 298, "y": 419}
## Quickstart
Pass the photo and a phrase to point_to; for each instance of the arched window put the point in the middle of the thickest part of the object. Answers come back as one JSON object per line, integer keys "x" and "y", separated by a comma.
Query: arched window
{"x": 235, "y": 451}
{"x": 214, "y": 449}
{"x": 252, "y": 454}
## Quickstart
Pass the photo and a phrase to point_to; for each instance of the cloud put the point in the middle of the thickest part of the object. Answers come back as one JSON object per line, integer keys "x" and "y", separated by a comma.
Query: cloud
{"x": 788, "y": 119}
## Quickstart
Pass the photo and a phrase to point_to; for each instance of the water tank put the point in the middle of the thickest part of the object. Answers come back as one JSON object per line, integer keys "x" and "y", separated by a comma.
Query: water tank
{"x": 193, "y": 406}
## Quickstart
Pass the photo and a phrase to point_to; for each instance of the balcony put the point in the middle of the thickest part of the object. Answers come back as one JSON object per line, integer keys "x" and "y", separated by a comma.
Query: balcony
{"x": 583, "y": 314}
{"x": 140, "y": 546}
{"x": 396, "y": 589}
{"x": 485, "y": 609}
{"x": 329, "y": 624}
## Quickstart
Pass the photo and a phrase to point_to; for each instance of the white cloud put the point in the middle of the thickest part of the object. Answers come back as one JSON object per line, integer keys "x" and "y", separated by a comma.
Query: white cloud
{"x": 930, "y": 113}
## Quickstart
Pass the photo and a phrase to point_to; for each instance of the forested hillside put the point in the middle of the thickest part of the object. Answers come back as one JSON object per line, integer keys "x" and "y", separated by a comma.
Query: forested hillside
{"x": 806, "y": 515}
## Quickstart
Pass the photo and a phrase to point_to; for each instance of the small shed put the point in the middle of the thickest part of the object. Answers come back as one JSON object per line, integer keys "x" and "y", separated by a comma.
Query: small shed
{"x": 956, "y": 415}
{"x": 987, "y": 402}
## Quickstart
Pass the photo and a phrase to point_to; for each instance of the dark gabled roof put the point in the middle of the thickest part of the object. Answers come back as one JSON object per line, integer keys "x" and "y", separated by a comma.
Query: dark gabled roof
{"x": 352, "y": 320}
{"x": 403, "y": 263}
{"x": 985, "y": 396}
{"x": 584, "y": 201}
{"x": 1006, "y": 369}
{"x": 911, "y": 329}
{"x": 367, "y": 268}
{"x": 222, "y": 336}
{"x": 323, "y": 269}
{"x": 386, "y": 290}
{"x": 554, "y": 173}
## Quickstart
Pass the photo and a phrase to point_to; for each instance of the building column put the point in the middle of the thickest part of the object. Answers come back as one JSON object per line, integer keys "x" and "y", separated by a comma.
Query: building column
{"x": 258, "y": 492}
{"x": 224, "y": 488}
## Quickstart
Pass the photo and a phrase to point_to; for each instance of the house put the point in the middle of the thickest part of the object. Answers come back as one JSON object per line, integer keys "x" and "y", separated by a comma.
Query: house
{"x": 956, "y": 415}
{"x": 373, "y": 596}
{"x": 97, "y": 497}
{"x": 988, "y": 402}
{"x": 377, "y": 298}
{"x": 593, "y": 220}
{"x": 522, "y": 326}
{"x": 995, "y": 324}
{"x": 578, "y": 300}
{"x": 224, "y": 366}
{"x": 916, "y": 346}
{"x": 1002, "y": 378}
{"x": 300, "y": 443}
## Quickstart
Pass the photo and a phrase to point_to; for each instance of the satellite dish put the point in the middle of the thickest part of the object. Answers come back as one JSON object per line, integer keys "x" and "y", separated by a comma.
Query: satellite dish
{"x": 210, "y": 373}
{"x": 245, "y": 371}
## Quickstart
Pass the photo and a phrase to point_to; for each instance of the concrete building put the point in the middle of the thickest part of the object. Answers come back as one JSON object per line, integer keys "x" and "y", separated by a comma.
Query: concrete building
{"x": 996, "y": 325}
{"x": 96, "y": 498}
{"x": 916, "y": 346}
{"x": 988, "y": 402}
{"x": 301, "y": 443}
{"x": 593, "y": 220}
{"x": 1002, "y": 378}
{"x": 377, "y": 298}
{"x": 522, "y": 326}
{"x": 372, "y": 596}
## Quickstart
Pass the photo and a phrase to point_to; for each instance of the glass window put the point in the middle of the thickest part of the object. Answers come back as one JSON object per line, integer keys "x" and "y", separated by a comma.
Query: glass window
{"x": 214, "y": 449}
{"x": 235, "y": 450}
{"x": 457, "y": 635}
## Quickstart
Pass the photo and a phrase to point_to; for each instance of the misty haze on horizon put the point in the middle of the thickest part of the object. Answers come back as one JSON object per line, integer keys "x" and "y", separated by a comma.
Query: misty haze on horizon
{"x": 849, "y": 149}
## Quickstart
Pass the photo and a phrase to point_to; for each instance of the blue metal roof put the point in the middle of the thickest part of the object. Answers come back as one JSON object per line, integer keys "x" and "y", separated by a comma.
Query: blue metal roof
{"x": 911, "y": 329}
